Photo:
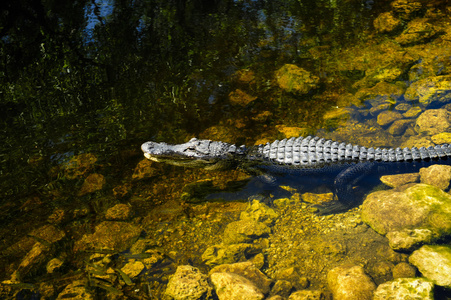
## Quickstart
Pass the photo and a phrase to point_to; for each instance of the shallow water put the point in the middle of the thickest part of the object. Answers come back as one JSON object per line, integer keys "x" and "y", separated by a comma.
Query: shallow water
{"x": 83, "y": 86}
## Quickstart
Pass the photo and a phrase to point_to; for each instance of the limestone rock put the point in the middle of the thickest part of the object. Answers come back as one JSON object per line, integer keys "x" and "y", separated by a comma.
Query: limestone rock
{"x": 79, "y": 165}
{"x": 230, "y": 286}
{"x": 76, "y": 290}
{"x": 244, "y": 231}
{"x": 436, "y": 175}
{"x": 133, "y": 268}
{"x": 419, "y": 207}
{"x": 430, "y": 90}
{"x": 281, "y": 288}
{"x": 404, "y": 270}
{"x": 405, "y": 288}
{"x": 399, "y": 179}
{"x": 388, "y": 117}
{"x": 292, "y": 78}
{"x": 433, "y": 121}
{"x": 227, "y": 254}
{"x": 109, "y": 235}
{"x": 308, "y": 295}
{"x": 399, "y": 127}
{"x": 187, "y": 283}
{"x": 94, "y": 182}
{"x": 259, "y": 212}
{"x": 119, "y": 212}
{"x": 417, "y": 31}
{"x": 409, "y": 239}
{"x": 386, "y": 22}
{"x": 145, "y": 169}
{"x": 405, "y": 8}
{"x": 412, "y": 112}
{"x": 248, "y": 271}
{"x": 442, "y": 138}
{"x": 350, "y": 282}
{"x": 434, "y": 262}
{"x": 292, "y": 275}
{"x": 240, "y": 97}
{"x": 382, "y": 92}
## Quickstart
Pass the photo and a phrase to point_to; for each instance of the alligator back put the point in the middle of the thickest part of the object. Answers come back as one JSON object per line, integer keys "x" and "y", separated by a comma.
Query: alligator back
{"x": 314, "y": 152}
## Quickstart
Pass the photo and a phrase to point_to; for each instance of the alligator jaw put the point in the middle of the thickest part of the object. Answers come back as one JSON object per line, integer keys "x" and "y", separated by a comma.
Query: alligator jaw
{"x": 194, "y": 153}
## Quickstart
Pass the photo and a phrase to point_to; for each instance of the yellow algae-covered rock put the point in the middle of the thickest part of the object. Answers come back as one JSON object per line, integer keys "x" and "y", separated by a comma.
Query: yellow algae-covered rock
{"x": 79, "y": 165}
{"x": 119, "y": 212}
{"x": 388, "y": 117}
{"x": 442, "y": 138}
{"x": 433, "y": 121}
{"x": 399, "y": 179}
{"x": 188, "y": 283}
{"x": 109, "y": 235}
{"x": 386, "y": 22}
{"x": 240, "y": 97}
{"x": 94, "y": 182}
{"x": 145, "y": 169}
{"x": 434, "y": 262}
{"x": 431, "y": 90}
{"x": 349, "y": 283}
{"x": 292, "y": 78}
{"x": 417, "y": 31}
{"x": 436, "y": 175}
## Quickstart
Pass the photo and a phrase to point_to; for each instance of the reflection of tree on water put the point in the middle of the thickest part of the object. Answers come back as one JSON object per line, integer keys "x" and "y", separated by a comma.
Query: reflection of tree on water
{"x": 93, "y": 78}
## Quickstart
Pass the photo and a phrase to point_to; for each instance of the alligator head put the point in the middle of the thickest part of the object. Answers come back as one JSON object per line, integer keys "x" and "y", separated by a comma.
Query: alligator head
{"x": 206, "y": 154}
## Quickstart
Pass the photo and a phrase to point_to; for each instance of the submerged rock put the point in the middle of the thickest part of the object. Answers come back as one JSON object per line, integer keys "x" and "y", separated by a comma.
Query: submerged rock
{"x": 145, "y": 169}
{"x": 94, "y": 182}
{"x": 405, "y": 288}
{"x": 388, "y": 117}
{"x": 188, "y": 283}
{"x": 133, "y": 268}
{"x": 404, "y": 270}
{"x": 109, "y": 235}
{"x": 248, "y": 271}
{"x": 281, "y": 288}
{"x": 409, "y": 239}
{"x": 244, "y": 231}
{"x": 350, "y": 282}
{"x": 240, "y": 97}
{"x": 227, "y": 254}
{"x": 231, "y": 286}
{"x": 386, "y": 22}
{"x": 79, "y": 165}
{"x": 399, "y": 179}
{"x": 436, "y": 175}
{"x": 406, "y": 8}
{"x": 119, "y": 212}
{"x": 76, "y": 290}
{"x": 292, "y": 275}
{"x": 434, "y": 262}
{"x": 259, "y": 212}
{"x": 417, "y": 31}
{"x": 292, "y": 78}
{"x": 309, "y": 295}
{"x": 430, "y": 90}
{"x": 442, "y": 138}
{"x": 419, "y": 214}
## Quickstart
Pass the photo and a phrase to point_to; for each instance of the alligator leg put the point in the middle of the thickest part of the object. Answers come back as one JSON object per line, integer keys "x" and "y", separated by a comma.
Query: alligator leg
{"x": 344, "y": 187}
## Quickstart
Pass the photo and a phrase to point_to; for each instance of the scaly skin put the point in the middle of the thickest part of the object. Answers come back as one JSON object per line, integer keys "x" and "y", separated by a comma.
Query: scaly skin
{"x": 301, "y": 162}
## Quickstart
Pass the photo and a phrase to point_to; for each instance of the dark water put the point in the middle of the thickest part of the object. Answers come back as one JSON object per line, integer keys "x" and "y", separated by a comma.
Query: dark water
{"x": 102, "y": 77}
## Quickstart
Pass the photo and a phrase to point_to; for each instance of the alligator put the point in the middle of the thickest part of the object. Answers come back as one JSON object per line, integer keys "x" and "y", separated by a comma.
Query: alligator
{"x": 303, "y": 162}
